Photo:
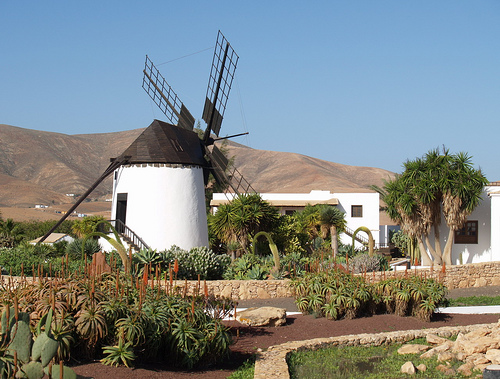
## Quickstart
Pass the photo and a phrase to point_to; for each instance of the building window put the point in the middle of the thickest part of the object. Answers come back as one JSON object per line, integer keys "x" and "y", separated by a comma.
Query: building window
{"x": 356, "y": 211}
{"x": 467, "y": 234}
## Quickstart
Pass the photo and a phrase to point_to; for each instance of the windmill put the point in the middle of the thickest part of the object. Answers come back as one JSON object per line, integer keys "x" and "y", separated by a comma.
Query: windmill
{"x": 159, "y": 180}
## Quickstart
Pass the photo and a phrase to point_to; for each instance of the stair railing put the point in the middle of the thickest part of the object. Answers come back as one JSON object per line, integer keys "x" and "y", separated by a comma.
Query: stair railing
{"x": 129, "y": 235}
{"x": 358, "y": 238}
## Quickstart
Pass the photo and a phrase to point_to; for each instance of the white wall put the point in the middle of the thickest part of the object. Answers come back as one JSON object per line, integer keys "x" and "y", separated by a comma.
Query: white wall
{"x": 495, "y": 224}
{"x": 369, "y": 201}
{"x": 165, "y": 205}
{"x": 487, "y": 214}
{"x": 385, "y": 231}
{"x": 370, "y": 219}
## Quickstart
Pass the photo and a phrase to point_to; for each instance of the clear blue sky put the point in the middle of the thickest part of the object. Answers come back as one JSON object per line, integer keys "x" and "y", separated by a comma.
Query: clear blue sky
{"x": 366, "y": 83}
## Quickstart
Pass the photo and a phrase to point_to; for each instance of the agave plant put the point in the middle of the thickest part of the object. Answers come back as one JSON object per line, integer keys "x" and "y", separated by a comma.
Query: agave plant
{"x": 91, "y": 324}
{"x": 123, "y": 353}
{"x": 331, "y": 310}
{"x": 403, "y": 297}
{"x": 132, "y": 328}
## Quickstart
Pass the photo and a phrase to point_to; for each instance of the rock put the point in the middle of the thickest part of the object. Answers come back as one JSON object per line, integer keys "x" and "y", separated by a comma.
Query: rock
{"x": 412, "y": 349}
{"x": 493, "y": 355}
{"x": 466, "y": 369}
{"x": 481, "y": 345}
{"x": 227, "y": 292}
{"x": 263, "y": 316}
{"x": 445, "y": 356}
{"x": 421, "y": 368}
{"x": 477, "y": 359}
{"x": 262, "y": 293}
{"x": 436, "y": 350}
{"x": 447, "y": 370}
{"x": 408, "y": 368}
{"x": 435, "y": 340}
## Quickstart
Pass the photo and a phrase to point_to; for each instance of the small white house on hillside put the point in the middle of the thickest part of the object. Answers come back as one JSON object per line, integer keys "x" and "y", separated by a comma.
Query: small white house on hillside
{"x": 360, "y": 208}
{"x": 54, "y": 238}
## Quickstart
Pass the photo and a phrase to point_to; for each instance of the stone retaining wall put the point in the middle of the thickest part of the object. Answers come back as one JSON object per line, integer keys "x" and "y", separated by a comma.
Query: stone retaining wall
{"x": 460, "y": 276}
{"x": 238, "y": 289}
{"x": 463, "y": 276}
{"x": 273, "y": 362}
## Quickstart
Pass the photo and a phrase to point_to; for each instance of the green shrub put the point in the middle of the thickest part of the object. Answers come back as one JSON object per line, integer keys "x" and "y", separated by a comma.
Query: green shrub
{"x": 22, "y": 258}
{"x": 198, "y": 261}
{"x": 365, "y": 263}
{"x": 337, "y": 294}
{"x": 75, "y": 250}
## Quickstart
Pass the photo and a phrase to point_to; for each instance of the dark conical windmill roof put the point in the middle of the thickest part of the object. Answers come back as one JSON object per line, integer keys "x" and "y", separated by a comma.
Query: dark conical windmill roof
{"x": 165, "y": 143}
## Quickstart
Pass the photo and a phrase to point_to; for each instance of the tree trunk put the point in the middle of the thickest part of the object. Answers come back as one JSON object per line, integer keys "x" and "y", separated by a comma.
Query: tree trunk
{"x": 335, "y": 242}
{"x": 437, "y": 240}
{"x": 426, "y": 260}
{"x": 437, "y": 258}
{"x": 448, "y": 247}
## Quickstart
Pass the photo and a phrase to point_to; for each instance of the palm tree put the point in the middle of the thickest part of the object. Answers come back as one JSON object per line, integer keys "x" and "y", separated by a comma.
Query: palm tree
{"x": 331, "y": 220}
{"x": 437, "y": 185}
{"x": 10, "y": 233}
{"x": 242, "y": 218}
{"x": 81, "y": 228}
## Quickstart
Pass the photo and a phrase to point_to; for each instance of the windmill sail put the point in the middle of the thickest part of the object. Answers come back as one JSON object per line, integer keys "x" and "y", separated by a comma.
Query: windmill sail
{"x": 112, "y": 167}
{"x": 219, "y": 84}
{"x": 164, "y": 96}
{"x": 227, "y": 174}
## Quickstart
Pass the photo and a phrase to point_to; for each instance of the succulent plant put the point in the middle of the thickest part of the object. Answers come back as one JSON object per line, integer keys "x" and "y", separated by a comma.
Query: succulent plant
{"x": 32, "y": 357}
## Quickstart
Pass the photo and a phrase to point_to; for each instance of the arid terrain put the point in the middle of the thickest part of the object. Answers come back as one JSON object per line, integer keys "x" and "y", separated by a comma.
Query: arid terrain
{"x": 38, "y": 167}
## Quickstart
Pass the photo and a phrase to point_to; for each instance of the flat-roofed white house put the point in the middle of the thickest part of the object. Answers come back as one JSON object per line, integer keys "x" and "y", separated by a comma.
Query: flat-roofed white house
{"x": 54, "y": 238}
{"x": 360, "y": 208}
{"x": 479, "y": 239}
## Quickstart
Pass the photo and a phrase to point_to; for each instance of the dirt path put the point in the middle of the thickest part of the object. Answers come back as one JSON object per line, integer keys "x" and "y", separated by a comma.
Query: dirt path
{"x": 249, "y": 339}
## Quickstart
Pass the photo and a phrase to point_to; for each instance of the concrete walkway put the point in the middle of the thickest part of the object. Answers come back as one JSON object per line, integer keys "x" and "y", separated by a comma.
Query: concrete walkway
{"x": 476, "y": 310}
{"x": 291, "y": 309}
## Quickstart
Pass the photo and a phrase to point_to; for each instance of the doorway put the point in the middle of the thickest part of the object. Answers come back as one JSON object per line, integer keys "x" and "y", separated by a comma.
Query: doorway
{"x": 121, "y": 212}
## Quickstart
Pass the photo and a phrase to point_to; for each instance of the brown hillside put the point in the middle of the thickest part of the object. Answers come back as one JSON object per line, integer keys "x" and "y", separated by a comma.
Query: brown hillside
{"x": 272, "y": 171}
{"x": 47, "y": 165}
{"x": 39, "y": 167}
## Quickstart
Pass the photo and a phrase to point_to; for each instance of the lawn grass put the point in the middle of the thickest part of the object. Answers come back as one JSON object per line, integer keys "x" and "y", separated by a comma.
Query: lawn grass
{"x": 365, "y": 358}
{"x": 245, "y": 371}
{"x": 367, "y": 362}
{"x": 473, "y": 301}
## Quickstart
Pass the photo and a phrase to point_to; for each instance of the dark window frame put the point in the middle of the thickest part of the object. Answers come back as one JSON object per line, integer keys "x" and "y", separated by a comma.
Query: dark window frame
{"x": 356, "y": 211}
{"x": 469, "y": 234}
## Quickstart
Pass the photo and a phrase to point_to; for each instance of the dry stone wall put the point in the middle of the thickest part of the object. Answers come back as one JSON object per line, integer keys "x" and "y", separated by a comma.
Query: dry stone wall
{"x": 272, "y": 363}
{"x": 460, "y": 276}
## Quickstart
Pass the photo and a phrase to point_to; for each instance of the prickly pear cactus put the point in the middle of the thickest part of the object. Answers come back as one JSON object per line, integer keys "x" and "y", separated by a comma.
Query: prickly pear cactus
{"x": 68, "y": 373}
{"x": 20, "y": 341}
{"x": 31, "y": 370}
{"x": 34, "y": 360}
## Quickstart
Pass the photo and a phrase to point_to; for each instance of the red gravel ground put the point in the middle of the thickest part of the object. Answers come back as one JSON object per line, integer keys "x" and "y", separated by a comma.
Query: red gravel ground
{"x": 249, "y": 339}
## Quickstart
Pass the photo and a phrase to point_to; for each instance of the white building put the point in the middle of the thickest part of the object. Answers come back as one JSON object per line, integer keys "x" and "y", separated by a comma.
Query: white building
{"x": 54, "y": 238}
{"x": 479, "y": 240}
{"x": 360, "y": 208}
{"x": 159, "y": 194}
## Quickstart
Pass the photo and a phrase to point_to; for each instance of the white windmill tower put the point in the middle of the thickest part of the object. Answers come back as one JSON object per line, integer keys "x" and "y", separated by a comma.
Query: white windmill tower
{"x": 159, "y": 180}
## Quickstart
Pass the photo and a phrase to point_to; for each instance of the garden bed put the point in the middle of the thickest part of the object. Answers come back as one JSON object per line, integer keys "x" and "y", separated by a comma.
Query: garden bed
{"x": 297, "y": 328}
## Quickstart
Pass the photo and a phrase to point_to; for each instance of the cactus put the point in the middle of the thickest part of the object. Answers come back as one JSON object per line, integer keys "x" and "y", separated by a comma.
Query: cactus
{"x": 56, "y": 372}
{"x": 31, "y": 370}
{"x": 20, "y": 341}
{"x": 33, "y": 360}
